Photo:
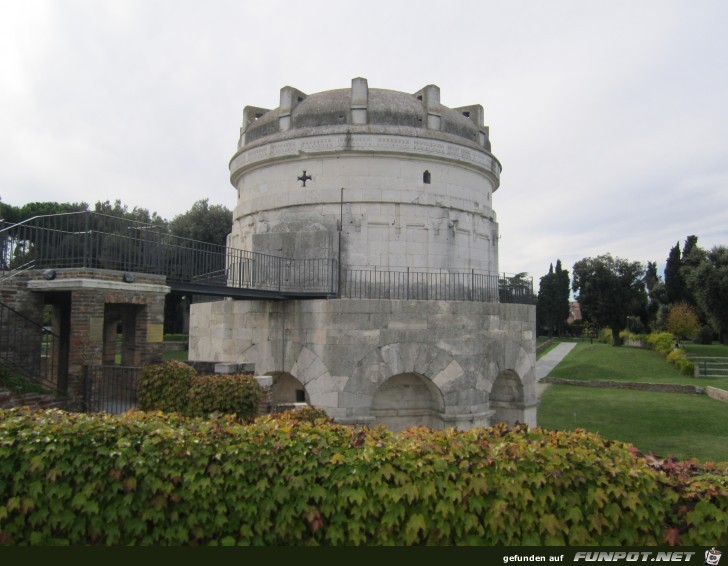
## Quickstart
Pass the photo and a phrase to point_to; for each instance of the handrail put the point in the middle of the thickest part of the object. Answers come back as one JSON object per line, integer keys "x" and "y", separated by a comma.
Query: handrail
{"x": 29, "y": 348}
{"x": 95, "y": 240}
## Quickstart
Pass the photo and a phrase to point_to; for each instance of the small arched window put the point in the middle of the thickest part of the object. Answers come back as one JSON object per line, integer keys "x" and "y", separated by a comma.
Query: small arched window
{"x": 426, "y": 177}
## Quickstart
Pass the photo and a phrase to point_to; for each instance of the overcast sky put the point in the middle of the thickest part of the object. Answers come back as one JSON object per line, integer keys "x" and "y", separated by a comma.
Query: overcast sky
{"x": 610, "y": 118}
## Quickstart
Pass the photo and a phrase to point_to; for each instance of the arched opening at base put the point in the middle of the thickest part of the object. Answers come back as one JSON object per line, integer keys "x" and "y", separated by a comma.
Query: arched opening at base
{"x": 287, "y": 390}
{"x": 406, "y": 400}
{"x": 506, "y": 398}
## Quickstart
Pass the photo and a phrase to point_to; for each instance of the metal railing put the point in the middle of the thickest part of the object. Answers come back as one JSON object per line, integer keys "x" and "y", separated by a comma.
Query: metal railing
{"x": 711, "y": 367}
{"x": 86, "y": 239}
{"x": 440, "y": 285}
{"x": 91, "y": 240}
{"x": 109, "y": 389}
{"x": 29, "y": 349}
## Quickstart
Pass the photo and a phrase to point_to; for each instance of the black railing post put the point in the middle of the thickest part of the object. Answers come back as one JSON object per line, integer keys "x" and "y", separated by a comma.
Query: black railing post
{"x": 85, "y": 240}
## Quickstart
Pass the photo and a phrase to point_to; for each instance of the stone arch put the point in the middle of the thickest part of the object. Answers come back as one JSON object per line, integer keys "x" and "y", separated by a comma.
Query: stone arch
{"x": 431, "y": 363}
{"x": 408, "y": 399}
{"x": 287, "y": 389}
{"x": 507, "y": 398}
{"x": 307, "y": 369}
{"x": 426, "y": 360}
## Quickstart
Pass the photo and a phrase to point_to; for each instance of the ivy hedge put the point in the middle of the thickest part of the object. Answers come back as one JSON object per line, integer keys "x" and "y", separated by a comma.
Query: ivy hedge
{"x": 163, "y": 479}
{"x": 175, "y": 387}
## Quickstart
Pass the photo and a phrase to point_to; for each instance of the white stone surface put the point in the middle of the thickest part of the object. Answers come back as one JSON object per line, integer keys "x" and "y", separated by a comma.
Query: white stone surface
{"x": 344, "y": 351}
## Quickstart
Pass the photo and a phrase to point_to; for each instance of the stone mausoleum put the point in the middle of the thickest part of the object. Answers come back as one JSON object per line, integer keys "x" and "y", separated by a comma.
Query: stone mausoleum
{"x": 390, "y": 196}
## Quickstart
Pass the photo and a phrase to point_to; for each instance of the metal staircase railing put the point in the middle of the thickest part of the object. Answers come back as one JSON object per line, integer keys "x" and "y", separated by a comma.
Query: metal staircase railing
{"x": 29, "y": 349}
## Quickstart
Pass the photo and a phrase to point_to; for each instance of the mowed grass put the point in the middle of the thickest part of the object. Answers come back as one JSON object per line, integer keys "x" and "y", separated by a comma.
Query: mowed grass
{"x": 706, "y": 350}
{"x": 683, "y": 425}
{"x": 174, "y": 355}
{"x": 604, "y": 362}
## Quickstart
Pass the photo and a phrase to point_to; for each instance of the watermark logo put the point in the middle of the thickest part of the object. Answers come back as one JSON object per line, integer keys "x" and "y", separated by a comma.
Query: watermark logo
{"x": 712, "y": 557}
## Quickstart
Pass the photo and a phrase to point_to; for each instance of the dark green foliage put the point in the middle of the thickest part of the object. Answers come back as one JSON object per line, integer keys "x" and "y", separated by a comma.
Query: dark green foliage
{"x": 203, "y": 222}
{"x": 137, "y": 214}
{"x": 306, "y": 414}
{"x": 165, "y": 387}
{"x": 674, "y": 282}
{"x": 227, "y": 394}
{"x": 706, "y": 275}
{"x": 15, "y": 214}
{"x": 563, "y": 292}
{"x": 705, "y": 335}
{"x": 149, "y": 479}
{"x": 546, "y": 304}
{"x": 610, "y": 290}
{"x": 175, "y": 387}
{"x": 552, "y": 307}
{"x": 656, "y": 293}
{"x": 18, "y": 383}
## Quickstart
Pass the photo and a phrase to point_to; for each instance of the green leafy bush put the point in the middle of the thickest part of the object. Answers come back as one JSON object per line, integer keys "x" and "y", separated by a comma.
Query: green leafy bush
{"x": 227, "y": 394}
{"x": 306, "y": 414}
{"x": 678, "y": 357}
{"x": 663, "y": 342}
{"x": 18, "y": 383}
{"x": 155, "y": 479}
{"x": 605, "y": 336}
{"x": 164, "y": 386}
{"x": 704, "y": 336}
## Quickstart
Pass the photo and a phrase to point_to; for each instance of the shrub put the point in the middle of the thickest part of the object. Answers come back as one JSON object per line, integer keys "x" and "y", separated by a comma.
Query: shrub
{"x": 17, "y": 383}
{"x": 151, "y": 479}
{"x": 605, "y": 336}
{"x": 164, "y": 387}
{"x": 704, "y": 336}
{"x": 239, "y": 395}
{"x": 682, "y": 321}
{"x": 681, "y": 361}
{"x": 663, "y": 342}
{"x": 304, "y": 414}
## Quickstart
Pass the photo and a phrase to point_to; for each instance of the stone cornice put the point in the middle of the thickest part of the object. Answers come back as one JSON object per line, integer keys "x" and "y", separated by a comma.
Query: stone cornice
{"x": 347, "y": 143}
{"x": 95, "y": 285}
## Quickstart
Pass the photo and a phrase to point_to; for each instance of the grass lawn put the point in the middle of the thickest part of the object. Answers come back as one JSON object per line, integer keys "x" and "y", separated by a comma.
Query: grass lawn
{"x": 706, "y": 350}
{"x": 180, "y": 356}
{"x": 602, "y": 361}
{"x": 554, "y": 342}
{"x": 686, "y": 426}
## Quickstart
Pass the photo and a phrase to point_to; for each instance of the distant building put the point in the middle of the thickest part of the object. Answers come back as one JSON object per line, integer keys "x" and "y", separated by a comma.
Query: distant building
{"x": 574, "y": 312}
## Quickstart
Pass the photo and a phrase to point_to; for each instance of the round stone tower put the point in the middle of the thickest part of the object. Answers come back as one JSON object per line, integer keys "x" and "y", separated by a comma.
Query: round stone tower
{"x": 392, "y": 193}
{"x": 408, "y": 180}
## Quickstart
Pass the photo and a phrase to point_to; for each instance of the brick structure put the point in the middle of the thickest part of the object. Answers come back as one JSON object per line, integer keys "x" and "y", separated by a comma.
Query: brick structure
{"x": 90, "y": 306}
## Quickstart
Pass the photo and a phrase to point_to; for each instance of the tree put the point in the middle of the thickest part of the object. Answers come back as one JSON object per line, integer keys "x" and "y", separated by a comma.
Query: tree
{"x": 203, "y": 222}
{"x": 546, "y": 305}
{"x": 674, "y": 283}
{"x": 552, "y": 308}
{"x": 706, "y": 276}
{"x": 137, "y": 214}
{"x": 656, "y": 293}
{"x": 563, "y": 292}
{"x": 682, "y": 321}
{"x": 609, "y": 290}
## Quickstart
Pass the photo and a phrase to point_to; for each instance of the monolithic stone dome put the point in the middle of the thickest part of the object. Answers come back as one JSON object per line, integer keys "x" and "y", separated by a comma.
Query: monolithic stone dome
{"x": 363, "y": 109}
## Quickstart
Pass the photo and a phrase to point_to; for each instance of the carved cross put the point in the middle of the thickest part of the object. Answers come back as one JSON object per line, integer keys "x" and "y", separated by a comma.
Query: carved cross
{"x": 304, "y": 178}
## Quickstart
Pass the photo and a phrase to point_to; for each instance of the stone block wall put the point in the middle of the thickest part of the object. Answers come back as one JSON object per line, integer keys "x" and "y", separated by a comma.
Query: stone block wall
{"x": 344, "y": 351}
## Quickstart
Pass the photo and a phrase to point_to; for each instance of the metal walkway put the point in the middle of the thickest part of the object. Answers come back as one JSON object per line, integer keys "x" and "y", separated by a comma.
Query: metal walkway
{"x": 97, "y": 241}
